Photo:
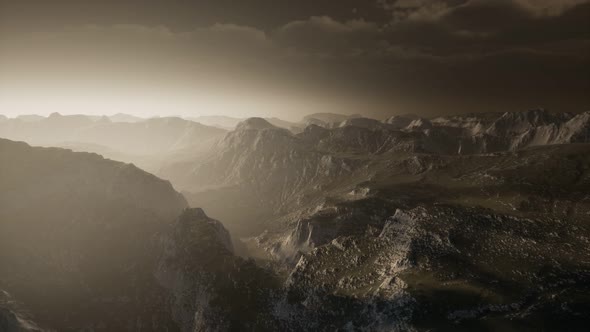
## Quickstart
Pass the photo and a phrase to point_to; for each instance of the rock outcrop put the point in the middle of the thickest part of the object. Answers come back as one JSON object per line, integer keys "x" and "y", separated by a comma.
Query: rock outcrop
{"x": 210, "y": 288}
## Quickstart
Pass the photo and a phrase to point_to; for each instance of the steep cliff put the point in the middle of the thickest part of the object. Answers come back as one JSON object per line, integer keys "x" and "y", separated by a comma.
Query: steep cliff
{"x": 78, "y": 237}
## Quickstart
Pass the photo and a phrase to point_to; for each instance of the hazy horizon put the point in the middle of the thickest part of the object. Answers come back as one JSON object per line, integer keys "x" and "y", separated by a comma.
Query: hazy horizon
{"x": 156, "y": 116}
{"x": 377, "y": 58}
{"x": 248, "y": 116}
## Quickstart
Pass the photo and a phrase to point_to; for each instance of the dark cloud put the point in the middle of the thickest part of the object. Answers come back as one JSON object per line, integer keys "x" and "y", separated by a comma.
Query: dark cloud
{"x": 182, "y": 14}
{"x": 381, "y": 56}
{"x": 326, "y": 36}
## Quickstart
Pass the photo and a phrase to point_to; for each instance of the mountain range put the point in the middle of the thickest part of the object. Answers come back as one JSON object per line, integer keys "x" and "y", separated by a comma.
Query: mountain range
{"x": 474, "y": 222}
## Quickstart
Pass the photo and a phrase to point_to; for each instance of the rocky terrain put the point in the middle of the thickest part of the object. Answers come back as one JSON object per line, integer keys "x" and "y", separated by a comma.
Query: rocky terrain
{"x": 409, "y": 226}
{"x": 269, "y": 171}
{"x": 13, "y": 318}
{"x": 212, "y": 289}
{"x": 477, "y": 222}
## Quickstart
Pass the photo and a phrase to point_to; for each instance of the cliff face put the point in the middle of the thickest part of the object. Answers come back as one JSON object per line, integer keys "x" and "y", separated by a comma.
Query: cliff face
{"x": 13, "y": 318}
{"x": 259, "y": 167}
{"x": 210, "y": 288}
{"x": 78, "y": 237}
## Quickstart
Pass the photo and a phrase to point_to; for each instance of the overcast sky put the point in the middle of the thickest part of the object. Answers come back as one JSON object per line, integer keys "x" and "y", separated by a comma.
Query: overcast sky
{"x": 291, "y": 58}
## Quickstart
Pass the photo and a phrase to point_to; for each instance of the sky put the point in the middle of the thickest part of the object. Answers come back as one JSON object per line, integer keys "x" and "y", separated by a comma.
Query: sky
{"x": 286, "y": 59}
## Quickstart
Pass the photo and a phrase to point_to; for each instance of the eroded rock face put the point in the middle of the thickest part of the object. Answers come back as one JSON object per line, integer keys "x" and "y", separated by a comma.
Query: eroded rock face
{"x": 195, "y": 251}
{"x": 260, "y": 167}
{"x": 442, "y": 267}
{"x": 210, "y": 288}
{"x": 399, "y": 122}
{"x": 352, "y": 283}
{"x": 13, "y": 322}
{"x": 214, "y": 290}
{"x": 13, "y": 318}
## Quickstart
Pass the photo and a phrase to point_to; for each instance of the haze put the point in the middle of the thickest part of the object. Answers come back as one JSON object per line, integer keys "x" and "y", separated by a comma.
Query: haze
{"x": 294, "y": 165}
{"x": 291, "y": 58}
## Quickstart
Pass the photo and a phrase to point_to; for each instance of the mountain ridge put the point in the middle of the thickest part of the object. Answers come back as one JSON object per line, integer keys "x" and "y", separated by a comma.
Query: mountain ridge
{"x": 76, "y": 234}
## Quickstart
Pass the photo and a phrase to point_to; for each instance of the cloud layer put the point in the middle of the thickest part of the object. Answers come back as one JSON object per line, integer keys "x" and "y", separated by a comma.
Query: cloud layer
{"x": 429, "y": 57}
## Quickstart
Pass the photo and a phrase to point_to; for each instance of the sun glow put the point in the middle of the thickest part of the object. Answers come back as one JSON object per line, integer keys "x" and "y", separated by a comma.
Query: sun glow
{"x": 151, "y": 103}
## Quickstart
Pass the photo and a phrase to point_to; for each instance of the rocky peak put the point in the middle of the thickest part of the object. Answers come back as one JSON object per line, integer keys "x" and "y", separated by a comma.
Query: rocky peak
{"x": 195, "y": 230}
{"x": 256, "y": 135}
{"x": 313, "y": 133}
{"x": 254, "y": 124}
{"x": 314, "y": 122}
{"x": 520, "y": 122}
{"x": 195, "y": 213}
{"x": 210, "y": 288}
{"x": 362, "y": 122}
{"x": 401, "y": 121}
{"x": 419, "y": 124}
{"x": 580, "y": 120}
